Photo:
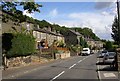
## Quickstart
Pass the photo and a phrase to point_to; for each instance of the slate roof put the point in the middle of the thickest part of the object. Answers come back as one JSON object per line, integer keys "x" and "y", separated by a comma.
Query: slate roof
{"x": 48, "y": 32}
{"x": 77, "y": 33}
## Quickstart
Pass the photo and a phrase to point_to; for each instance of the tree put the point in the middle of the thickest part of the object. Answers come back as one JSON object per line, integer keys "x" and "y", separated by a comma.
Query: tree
{"x": 108, "y": 45}
{"x": 82, "y": 42}
{"x": 21, "y": 47}
{"x": 115, "y": 34}
{"x": 6, "y": 41}
{"x": 11, "y": 7}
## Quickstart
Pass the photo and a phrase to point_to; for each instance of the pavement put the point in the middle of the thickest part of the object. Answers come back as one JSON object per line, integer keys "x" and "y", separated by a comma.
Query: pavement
{"x": 106, "y": 72}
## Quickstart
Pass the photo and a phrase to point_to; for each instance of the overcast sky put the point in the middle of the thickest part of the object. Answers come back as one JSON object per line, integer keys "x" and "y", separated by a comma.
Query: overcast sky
{"x": 98, "y": 16}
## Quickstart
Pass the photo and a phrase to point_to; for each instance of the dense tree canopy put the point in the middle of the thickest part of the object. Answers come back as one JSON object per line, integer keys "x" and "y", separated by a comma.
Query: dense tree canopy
{"x": 115, "y": 32}
{"x": 11, "y": 8}
{"x": 87, "y": 32}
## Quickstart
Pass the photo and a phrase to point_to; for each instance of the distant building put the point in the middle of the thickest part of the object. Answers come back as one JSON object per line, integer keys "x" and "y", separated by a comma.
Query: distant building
{"x": 72, "y": 37}
{"x": 93, "y": 43}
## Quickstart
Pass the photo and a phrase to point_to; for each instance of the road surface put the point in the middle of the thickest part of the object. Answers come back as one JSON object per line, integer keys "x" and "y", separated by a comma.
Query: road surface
{"x": 73, "y": 68}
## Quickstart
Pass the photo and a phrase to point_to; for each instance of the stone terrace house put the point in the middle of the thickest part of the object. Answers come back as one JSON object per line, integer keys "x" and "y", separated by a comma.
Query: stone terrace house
{"x": 45, "y": 37}
{"x": 72, "y": 37}
{"x": 94, "y": 43}
{"x": 41, "y": 35}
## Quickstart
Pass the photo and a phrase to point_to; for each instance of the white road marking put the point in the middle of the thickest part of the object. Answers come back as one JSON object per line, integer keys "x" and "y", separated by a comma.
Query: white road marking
{"x": 109, "y": 75}
{"x": 72, "y": 66}
{"x": 97, "y": 62}
{"x": 99, "y": 72}
{"x": 58, "y": 75}
{"x": 79, "y": 61}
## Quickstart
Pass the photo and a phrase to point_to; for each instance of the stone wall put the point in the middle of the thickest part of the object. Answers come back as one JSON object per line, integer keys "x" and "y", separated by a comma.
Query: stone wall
{"x": 22, "y": 61}
{"x": 63, "y": 55}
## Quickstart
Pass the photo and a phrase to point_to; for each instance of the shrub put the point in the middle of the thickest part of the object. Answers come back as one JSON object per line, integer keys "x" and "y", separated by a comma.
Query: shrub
{"x": 6, "y": 41}
{"x": 22, "y": 45}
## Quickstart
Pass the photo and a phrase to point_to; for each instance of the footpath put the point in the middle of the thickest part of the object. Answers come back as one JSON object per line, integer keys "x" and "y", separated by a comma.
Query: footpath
{"x": 106, "y": 72}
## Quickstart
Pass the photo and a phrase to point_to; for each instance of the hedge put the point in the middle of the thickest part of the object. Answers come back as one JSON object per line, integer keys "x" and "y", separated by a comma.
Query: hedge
{"x": 22, "y": 45}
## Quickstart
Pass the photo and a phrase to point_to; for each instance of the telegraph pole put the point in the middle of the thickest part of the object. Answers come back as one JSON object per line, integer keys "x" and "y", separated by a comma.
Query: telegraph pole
{"x": 118, "y": 14}
{"x": 118, "y": 50}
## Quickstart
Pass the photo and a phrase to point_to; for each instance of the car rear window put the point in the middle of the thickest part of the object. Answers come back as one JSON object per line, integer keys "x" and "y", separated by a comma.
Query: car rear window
{"x": 85, "y": 50}
{"x": 104, "y": 51}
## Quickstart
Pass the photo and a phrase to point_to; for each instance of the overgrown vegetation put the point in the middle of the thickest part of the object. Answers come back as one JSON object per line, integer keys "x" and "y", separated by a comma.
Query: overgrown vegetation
{"x": 115, "y": 31}
{"x": 21, "y": 45}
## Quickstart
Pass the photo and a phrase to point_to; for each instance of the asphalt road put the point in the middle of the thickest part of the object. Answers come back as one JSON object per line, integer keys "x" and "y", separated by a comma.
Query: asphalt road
{"x": 78, "y": 67}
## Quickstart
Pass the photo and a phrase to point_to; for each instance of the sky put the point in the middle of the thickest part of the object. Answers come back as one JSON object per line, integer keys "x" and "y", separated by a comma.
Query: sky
{"x": 98, "y": 16}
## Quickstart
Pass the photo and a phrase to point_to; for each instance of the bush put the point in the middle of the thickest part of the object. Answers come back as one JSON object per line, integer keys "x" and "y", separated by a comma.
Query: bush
{"x": 6, "y": 41}
{"x": 22, "y": 45}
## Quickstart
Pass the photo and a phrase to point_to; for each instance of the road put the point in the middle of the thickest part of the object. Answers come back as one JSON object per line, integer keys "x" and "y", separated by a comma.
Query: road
{"x": 74, "y": 68}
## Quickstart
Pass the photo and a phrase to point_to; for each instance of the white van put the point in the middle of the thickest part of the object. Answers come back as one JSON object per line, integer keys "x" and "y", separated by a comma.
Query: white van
{"x": 86, "y": 51}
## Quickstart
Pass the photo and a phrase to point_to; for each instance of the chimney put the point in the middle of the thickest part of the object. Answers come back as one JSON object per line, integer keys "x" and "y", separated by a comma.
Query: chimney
{"x": 49, "y": 28}
{"x": 38, "y": 27}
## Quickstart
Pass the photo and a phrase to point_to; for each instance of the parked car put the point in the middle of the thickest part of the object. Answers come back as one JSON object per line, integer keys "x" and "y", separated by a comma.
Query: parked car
{"x": 86, "y": 51}
{"x": 112, "y": 55}
{"x": 109, "y": 58}
{"x": 103, "y": 53}
{"x": 105, "y": 57}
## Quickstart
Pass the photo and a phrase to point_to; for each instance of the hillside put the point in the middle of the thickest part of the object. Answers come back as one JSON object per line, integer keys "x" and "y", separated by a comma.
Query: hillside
{"x": 86, "y": 32}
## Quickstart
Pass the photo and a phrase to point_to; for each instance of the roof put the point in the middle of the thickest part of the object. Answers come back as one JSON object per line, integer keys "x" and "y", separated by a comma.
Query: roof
{"x": 46, "y": 31}
{"x": 77, "y": 33}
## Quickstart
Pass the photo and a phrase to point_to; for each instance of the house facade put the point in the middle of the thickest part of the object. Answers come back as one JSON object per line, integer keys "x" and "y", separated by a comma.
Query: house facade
{"x": 46, "y": 38}
{"x": 72, "y": 37}
{"x": 93, "y": 43}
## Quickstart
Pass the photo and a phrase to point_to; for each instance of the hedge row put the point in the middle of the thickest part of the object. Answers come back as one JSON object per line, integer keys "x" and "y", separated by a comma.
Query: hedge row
{"x": 19, "y": 44}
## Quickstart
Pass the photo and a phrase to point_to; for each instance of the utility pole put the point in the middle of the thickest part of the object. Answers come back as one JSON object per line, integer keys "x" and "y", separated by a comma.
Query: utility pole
{"x": 118, "y": 14}
{"x": 118, "y": 50}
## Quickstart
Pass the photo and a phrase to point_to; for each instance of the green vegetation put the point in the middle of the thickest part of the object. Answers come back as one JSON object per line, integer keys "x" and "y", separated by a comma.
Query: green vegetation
{"x": 110, "y": 45}
{"x": 83, "y": 43}
{"x": 11, "y": 8}
{"x": 76, "y": 48}
{"x": 22, "y": 45}
{"x": 115, "y": 32}
{"x": 6, "y": 41}
{"x": 86, "y": 32}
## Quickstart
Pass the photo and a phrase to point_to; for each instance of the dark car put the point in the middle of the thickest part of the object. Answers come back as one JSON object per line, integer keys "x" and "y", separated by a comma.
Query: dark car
{"x": 112, "y": 55}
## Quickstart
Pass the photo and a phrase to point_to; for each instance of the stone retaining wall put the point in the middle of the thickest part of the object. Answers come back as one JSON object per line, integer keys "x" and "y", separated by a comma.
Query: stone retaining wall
{"x": 22, "y": 61}
{"x": 63, "y": 55}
